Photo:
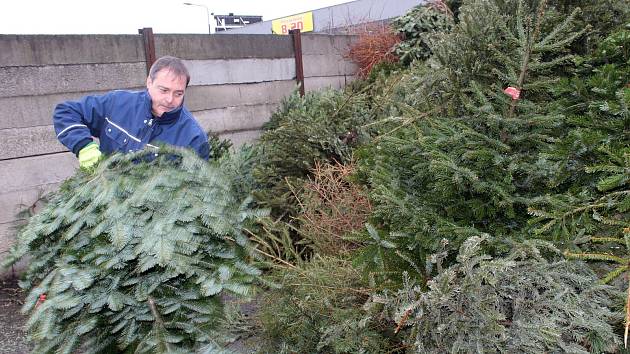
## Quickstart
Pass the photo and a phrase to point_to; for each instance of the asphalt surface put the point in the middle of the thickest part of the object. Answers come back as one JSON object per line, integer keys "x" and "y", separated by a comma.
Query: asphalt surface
{"x": 12, "y": 336}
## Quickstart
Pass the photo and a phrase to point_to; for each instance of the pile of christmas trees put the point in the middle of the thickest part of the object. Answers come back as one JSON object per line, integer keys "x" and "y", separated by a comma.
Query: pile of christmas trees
{"x": 463, "y": 189}
{"x": 511, "y": 126}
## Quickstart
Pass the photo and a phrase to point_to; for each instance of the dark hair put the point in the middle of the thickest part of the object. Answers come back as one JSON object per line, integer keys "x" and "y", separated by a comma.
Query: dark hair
{"x": 175, "y": 65}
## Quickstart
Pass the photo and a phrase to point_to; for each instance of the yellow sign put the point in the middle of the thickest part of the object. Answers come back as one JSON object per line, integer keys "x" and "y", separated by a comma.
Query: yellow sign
{"x": 303, "y": 22}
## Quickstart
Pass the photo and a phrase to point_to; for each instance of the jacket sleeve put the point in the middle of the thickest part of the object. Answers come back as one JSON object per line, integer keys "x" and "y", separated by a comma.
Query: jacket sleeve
{"x": 201, "y": 146}
{"x": 76, "y": 122}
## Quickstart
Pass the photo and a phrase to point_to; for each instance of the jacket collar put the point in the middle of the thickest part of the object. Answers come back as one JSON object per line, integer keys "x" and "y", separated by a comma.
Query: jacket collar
{"x": 167, "y": 117}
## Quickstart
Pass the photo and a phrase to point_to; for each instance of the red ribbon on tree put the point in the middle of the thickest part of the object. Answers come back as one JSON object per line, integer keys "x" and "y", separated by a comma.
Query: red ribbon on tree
{"x": 512, "y": 92}
{"x": 41, "y": 299}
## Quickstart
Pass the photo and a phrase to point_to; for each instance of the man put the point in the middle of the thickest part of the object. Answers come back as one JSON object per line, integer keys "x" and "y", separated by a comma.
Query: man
{"x": 126, "y": 121}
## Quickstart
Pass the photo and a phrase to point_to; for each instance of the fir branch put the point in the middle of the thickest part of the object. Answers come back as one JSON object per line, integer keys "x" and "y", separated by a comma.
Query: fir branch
{"x": 159, "y": 323}
{"x": 614, "y": 274}
{"x": 528, "y": 47}
{"x": 607, "y": 240}
{"x": 596, "y": 257}
{"x": 562, "y": 28}
{"x": 486, "y": 302}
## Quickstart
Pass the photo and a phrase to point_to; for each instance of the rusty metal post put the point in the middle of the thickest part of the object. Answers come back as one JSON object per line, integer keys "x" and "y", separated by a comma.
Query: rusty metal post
{"x": 149, "y": 46}
{"x": 299, "y": 65}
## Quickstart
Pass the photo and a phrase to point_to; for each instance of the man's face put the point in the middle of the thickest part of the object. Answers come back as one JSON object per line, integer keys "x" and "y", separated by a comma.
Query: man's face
{"x": 166, "y": 91}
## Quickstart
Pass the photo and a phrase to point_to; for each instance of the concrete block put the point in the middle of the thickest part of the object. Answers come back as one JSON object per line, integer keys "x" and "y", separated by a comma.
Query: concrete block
{"x": 14, "y": 203}
{"x": 327, "y": 65}
{"x": 222, "y": 120}
{"x": 319, "y": 44}
{"x": 319, "y": 83}
{"x": 225, "y": 46}
{"x": 199, "y": 98}
{"x": 30, "y": 172}
{"x": 24, "y": 183}
{"x": 8, "y": 231}
{"x": 24, "y": 50}
{"x": 242, "y": 137}
{"x": 43, "y": 80}
{"x": 215, "y": 72}
{"x": 8, "y": 235}
{"x": 270, "y": 92}
{"x": 342, "y": 43}
{"x": 30, "y": 200}
{"x": 32, "y": 141}
{"x": 27, "y": 180}
{"x": 31, "y": 111}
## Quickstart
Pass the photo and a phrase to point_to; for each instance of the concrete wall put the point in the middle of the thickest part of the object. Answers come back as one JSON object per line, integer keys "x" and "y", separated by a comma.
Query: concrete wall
{"x": 237, "y": 81}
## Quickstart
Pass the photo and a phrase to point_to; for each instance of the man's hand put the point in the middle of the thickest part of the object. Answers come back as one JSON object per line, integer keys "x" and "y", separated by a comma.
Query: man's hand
{"x": 89, "y": 155}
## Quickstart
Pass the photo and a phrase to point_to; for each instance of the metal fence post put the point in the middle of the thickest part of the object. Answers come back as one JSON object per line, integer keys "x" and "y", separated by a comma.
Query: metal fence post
{"x": 149, "y": 46}
{"x": 299, "y": 65}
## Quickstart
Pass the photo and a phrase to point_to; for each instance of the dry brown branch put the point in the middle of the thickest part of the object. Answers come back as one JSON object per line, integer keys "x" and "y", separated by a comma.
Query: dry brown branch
{"x": 332, "y": 207}
{"x": 441, "y": 6}
{"x": 374, "y": 45}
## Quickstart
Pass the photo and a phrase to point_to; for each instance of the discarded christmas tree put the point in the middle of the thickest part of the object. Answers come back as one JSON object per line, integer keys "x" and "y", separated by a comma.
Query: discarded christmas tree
{"x": 591, "y": 165}
{"x": 463, "y": 161}
{"x": 134, "y": 255}
{"x": 524, "y": 302}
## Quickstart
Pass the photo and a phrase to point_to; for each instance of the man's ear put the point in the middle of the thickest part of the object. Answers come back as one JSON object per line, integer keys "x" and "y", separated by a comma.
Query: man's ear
{"x": 149, "y": 81}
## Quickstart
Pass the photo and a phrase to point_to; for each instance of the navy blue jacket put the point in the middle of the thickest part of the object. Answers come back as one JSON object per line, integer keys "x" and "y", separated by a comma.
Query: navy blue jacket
{"x": 122, "y": 120}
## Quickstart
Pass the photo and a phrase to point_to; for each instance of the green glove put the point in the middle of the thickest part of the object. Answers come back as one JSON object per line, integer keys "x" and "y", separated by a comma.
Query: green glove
{"x": 89, "y": 155}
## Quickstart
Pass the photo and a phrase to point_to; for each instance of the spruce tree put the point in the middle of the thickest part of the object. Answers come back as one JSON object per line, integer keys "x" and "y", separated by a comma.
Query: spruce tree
{"x": 417, "y": 27}
{"x": 134, "y": 256}
{"x": 524, "y": 302}
{"x": 320, "y": 309}
{"x": 321, "y": 126}
{"x": 464, "y": 162}
{"x": 590, "y": 162}
{"x": 590, "y": 166}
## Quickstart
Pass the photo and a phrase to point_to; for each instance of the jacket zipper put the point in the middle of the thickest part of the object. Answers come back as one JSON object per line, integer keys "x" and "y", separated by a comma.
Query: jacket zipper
{"x": 147, "y": 135}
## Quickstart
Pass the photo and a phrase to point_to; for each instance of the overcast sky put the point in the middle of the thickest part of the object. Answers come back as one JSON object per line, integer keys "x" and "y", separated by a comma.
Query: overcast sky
{"x": 126, "y": 16}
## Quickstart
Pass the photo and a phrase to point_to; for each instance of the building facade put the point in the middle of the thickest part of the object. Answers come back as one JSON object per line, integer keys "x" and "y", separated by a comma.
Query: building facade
{"x": 343, "y": 17}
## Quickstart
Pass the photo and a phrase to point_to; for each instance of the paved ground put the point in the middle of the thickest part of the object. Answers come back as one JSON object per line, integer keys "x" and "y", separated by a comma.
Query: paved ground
{"x": 12, "y": 338}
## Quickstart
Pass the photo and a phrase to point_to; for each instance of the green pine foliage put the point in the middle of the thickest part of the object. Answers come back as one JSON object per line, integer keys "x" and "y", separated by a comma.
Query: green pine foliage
{"x": 383, "y": 257}
{"x": 467, "y": 167}
{"x": 601, "y": 17}
{"x": 595, "y": 102}
{"x": 238, "y": 164}
{"x": 319, "y": 309}
{"x": 590, "y": 164}
{"x": 590, "y": 216}
{"x": 417, "y": 27}
{"x": 218, "y": 147}
{"x": 521, "y": 303}
{"x": 506, "y": 43}
{"x": 321, "y": 126}
{"x": 454, "y": 161}
{"x": 134, "y": 256}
